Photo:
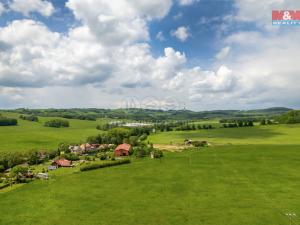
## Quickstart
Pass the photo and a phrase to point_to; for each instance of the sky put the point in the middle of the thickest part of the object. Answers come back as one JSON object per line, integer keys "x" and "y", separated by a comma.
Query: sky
{"x": 163, "y": 54}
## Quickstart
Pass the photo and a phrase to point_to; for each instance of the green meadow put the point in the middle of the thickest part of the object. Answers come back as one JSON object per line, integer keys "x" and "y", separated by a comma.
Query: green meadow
{"x": 247, "y": 176}
{"x": 34, "y": 135}
{"x": 254, "y": 184}
{"x": 271, "y": 134}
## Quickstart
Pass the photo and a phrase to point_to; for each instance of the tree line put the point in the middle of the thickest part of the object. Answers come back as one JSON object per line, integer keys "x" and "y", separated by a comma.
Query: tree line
{"x": 57, "y": 123}
{"x": 29, "y": 118}
{"x": 5, "y": 121}
{"x": 237, "y": 124}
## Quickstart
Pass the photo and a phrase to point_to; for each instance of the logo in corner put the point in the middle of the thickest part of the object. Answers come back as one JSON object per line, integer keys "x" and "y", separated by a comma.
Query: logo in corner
{"x": 286, "y": 17}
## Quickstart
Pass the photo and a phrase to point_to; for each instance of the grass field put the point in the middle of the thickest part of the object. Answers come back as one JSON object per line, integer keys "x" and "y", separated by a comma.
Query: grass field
{"x": 219, "y": 185}
{"x": 34, "y": 135}
{"x": 274, "y": 134}
{"x": 248, "y": 176}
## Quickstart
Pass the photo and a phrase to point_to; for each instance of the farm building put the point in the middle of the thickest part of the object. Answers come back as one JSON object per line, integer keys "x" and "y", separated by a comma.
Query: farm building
{"x": 75, "y": 149}
{"x": 62, "y": 163}
{"x": 85, "y": 147}
{"x": 89, "y": 147}
{"x": 122, "y": 150}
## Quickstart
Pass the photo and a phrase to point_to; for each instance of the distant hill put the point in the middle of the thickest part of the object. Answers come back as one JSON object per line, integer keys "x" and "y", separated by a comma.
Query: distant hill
{"x": 274, "y": 110}
{"x": 151, "y": 114}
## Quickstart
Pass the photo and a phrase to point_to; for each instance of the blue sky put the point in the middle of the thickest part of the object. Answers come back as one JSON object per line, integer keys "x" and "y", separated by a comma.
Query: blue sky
{"x": 200, "y": 48}
{"x": 199, "y": 54}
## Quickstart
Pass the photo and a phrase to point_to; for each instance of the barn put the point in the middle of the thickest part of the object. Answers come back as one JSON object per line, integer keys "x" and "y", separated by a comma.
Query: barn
{"x": 122, "y": 150}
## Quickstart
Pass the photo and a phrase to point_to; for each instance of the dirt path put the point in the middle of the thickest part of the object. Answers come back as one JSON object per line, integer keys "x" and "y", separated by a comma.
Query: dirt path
{"x": 170, "y": 148}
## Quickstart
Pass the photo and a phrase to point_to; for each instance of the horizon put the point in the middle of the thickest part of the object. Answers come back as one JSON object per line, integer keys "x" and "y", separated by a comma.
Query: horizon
{"x": 194, "y": 54}
{"x": 154, "y": 109}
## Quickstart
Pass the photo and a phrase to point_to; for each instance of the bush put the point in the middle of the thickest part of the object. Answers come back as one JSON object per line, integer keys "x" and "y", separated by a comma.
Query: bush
{"x": 29, "y": 118}
{"x": 57, "y": 123}
{"x": 102, "y": 156}
{"x": 200, "y": 143}
{"x": 71, "y": 157}
{"x": 103, "y": 165}
{"x": 4, "y": 121}
{"x": 290, "y": 117}
{"x": 11, "y": 159}
{"x": 2, "y": 168}
{"x": 157, "y": 153}
{"x": 142, "y": 151}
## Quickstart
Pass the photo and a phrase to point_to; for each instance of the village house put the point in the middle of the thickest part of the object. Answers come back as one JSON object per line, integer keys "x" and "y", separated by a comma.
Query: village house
{"x": 62, "y": 163}
{"x": 75, "y": 149}
{"x": 89, "y": 147}
{"x": 122, "y": 150}
{"x": 85, "y": 147}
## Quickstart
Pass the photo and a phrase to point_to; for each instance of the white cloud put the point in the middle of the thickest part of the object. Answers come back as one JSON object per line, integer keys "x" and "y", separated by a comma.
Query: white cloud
{"x": 13, "y": 94}
{"x": 160, "y": 36}
{"x": 221, "y": 81}
{"x": 26, "y": 7}
{"x": 2, "y": 8}
{"x": 187, "y": 2}
{"x": 36, "y": 57}
{"x": 107, "y": 58}
{"x": 182, "y": 33}
{"x": 119, "y": 22}
{"x": 223, "y": 53}
{"x": 167, "y": 66}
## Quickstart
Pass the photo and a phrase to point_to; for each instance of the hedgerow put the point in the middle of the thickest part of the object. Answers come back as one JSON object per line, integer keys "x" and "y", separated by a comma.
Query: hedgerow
{"x": 103, "y": 165}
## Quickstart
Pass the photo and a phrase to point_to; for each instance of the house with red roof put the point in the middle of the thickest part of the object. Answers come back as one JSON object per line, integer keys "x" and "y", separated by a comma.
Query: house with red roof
{"x": 62, "y": 163}
{"x": 122, "y": 150}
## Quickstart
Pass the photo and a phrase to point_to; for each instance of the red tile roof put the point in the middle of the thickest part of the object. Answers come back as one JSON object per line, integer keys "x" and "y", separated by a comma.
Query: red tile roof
{"x": 63, "y": 162}
{"x": 124, "y": 146}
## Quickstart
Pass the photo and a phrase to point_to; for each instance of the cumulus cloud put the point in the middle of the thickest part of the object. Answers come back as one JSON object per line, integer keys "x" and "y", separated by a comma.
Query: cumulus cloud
{"x": 182, "y": 33}
{"x": 108, "y": 56}
{"x": 119, "y": 22}
{"x": 167, "y": 66}
{"x": 201, "y": 82}
{"x": 37, "y": 56}
{"x": 221, "y": 81}
{"x": 26, "y": 7}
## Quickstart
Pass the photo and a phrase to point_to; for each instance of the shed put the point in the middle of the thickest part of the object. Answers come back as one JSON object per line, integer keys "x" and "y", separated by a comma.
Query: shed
{"x": 122, "y": 150}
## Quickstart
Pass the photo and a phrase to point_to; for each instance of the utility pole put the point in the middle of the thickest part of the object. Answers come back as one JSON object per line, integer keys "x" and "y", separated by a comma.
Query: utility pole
{"x": 290, "y": 216}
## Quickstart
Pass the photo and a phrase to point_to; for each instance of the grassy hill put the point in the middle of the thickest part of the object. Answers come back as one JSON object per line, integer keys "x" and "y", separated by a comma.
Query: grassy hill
{"x": 34, "y": 135}
{"x": 227, "y": 185}
{"x": 151, "y": 114}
